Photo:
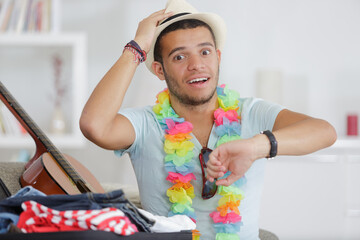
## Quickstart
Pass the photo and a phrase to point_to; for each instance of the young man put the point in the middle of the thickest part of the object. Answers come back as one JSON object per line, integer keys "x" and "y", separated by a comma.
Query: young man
{"x": 169, "y": 143}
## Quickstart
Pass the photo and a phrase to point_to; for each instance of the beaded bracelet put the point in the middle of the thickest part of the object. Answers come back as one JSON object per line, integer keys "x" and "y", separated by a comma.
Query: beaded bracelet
{"x": 139, "y": 55}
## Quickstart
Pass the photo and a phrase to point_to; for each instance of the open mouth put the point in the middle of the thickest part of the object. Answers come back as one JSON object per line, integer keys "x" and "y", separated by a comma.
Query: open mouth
{"x": 198, "y": 80}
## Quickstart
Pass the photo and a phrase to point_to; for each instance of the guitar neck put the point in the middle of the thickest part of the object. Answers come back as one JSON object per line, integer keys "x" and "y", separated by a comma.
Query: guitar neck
{"x": 43, "y": 143}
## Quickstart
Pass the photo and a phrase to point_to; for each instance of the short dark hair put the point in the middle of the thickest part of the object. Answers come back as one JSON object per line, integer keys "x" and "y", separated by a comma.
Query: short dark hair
{"x": 182, "y": 24}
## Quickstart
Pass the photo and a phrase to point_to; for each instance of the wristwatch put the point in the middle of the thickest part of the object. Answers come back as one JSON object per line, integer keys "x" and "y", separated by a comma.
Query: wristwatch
{"x": 273, "y": 143}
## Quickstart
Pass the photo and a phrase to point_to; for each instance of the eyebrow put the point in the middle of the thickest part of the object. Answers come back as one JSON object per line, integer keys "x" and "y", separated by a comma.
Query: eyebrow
{"x": 182, "y": 48}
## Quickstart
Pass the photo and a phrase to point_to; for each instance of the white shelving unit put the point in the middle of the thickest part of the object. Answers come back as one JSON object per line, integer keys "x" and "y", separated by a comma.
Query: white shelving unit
{"x": 342, "y": 147}
{"x": 347, "y": 143}
{"x": 77, "y": 43}
{"x": 70, "y": 140}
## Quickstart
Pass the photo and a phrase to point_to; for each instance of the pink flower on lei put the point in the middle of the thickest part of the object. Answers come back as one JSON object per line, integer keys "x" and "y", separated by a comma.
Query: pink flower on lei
{"x": 177, "y": 177}
{"x": 219, "y": 114}
{"x": 231, "y": 217}
{"x": 176, "y": 128}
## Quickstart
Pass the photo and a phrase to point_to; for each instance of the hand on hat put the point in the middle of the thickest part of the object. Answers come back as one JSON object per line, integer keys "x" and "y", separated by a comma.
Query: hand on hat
{"x": 146, "y": 29}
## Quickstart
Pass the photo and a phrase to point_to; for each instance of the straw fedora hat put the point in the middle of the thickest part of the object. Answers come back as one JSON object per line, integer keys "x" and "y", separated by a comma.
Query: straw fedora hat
{"x": 183, "y": 10}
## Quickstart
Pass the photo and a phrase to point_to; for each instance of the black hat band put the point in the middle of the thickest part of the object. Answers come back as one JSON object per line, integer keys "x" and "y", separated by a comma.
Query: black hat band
{"x": 174, "y": 16}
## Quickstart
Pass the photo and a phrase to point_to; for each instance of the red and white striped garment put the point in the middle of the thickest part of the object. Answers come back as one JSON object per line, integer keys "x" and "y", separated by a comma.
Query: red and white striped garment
{"x": 39, "y": 218}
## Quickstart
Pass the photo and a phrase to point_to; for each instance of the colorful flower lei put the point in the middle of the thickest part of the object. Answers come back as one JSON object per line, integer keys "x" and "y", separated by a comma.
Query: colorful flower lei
{"x": 179, "y": 164}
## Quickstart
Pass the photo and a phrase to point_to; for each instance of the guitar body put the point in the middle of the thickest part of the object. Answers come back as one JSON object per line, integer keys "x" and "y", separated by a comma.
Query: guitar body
{"x": 46, "y": 175}
{"x": 49, "y": 170}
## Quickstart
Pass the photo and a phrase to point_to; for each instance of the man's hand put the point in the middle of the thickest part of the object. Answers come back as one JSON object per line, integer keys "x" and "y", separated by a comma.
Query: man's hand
{"x": 235, "y": 156}
{"x": 146, "y": 29}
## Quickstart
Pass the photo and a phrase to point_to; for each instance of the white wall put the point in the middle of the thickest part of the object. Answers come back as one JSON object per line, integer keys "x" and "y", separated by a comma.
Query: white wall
{"x": 314, "y": 43}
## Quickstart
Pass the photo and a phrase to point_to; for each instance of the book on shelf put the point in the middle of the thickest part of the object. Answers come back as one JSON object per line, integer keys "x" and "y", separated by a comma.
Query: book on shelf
{"x": 28, "y": 16}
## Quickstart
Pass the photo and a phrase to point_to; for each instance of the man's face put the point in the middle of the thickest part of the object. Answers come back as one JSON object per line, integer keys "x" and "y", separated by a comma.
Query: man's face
{"x": 190, "y": 65}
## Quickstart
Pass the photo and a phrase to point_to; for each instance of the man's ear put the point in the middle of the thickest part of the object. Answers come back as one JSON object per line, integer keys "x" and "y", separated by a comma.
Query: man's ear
{"x": 157, "y": 68}
{"x": 218, "y": 52}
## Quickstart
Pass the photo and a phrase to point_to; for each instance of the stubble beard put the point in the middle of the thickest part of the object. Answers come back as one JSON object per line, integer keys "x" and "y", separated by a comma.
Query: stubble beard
{"x": 184, "y": 98}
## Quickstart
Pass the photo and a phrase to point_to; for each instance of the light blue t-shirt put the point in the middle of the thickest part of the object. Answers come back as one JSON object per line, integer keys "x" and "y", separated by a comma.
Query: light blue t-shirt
{"x": 147, "y": 156}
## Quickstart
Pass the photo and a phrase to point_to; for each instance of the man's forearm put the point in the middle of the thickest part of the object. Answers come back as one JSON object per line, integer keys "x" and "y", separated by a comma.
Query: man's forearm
{"x": 296, "y": 134}
{"x": 107, "y": 97}
{"x": 304, "y": 137}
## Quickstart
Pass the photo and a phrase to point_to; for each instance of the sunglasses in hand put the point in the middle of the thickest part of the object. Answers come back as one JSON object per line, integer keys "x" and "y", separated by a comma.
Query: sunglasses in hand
{"x": 209, "y": 188}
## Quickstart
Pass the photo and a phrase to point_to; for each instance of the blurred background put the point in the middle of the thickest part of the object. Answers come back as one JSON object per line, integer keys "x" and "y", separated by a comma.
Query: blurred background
{"x": 303, "y": 54}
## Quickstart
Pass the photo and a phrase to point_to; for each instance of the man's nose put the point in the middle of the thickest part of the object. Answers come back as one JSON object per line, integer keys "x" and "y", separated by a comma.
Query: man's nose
{"x": 195, "y": 63}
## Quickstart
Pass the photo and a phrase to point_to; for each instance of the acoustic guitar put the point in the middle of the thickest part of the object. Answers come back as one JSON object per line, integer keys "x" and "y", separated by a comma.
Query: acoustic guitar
{"x": 49, "y": 170}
